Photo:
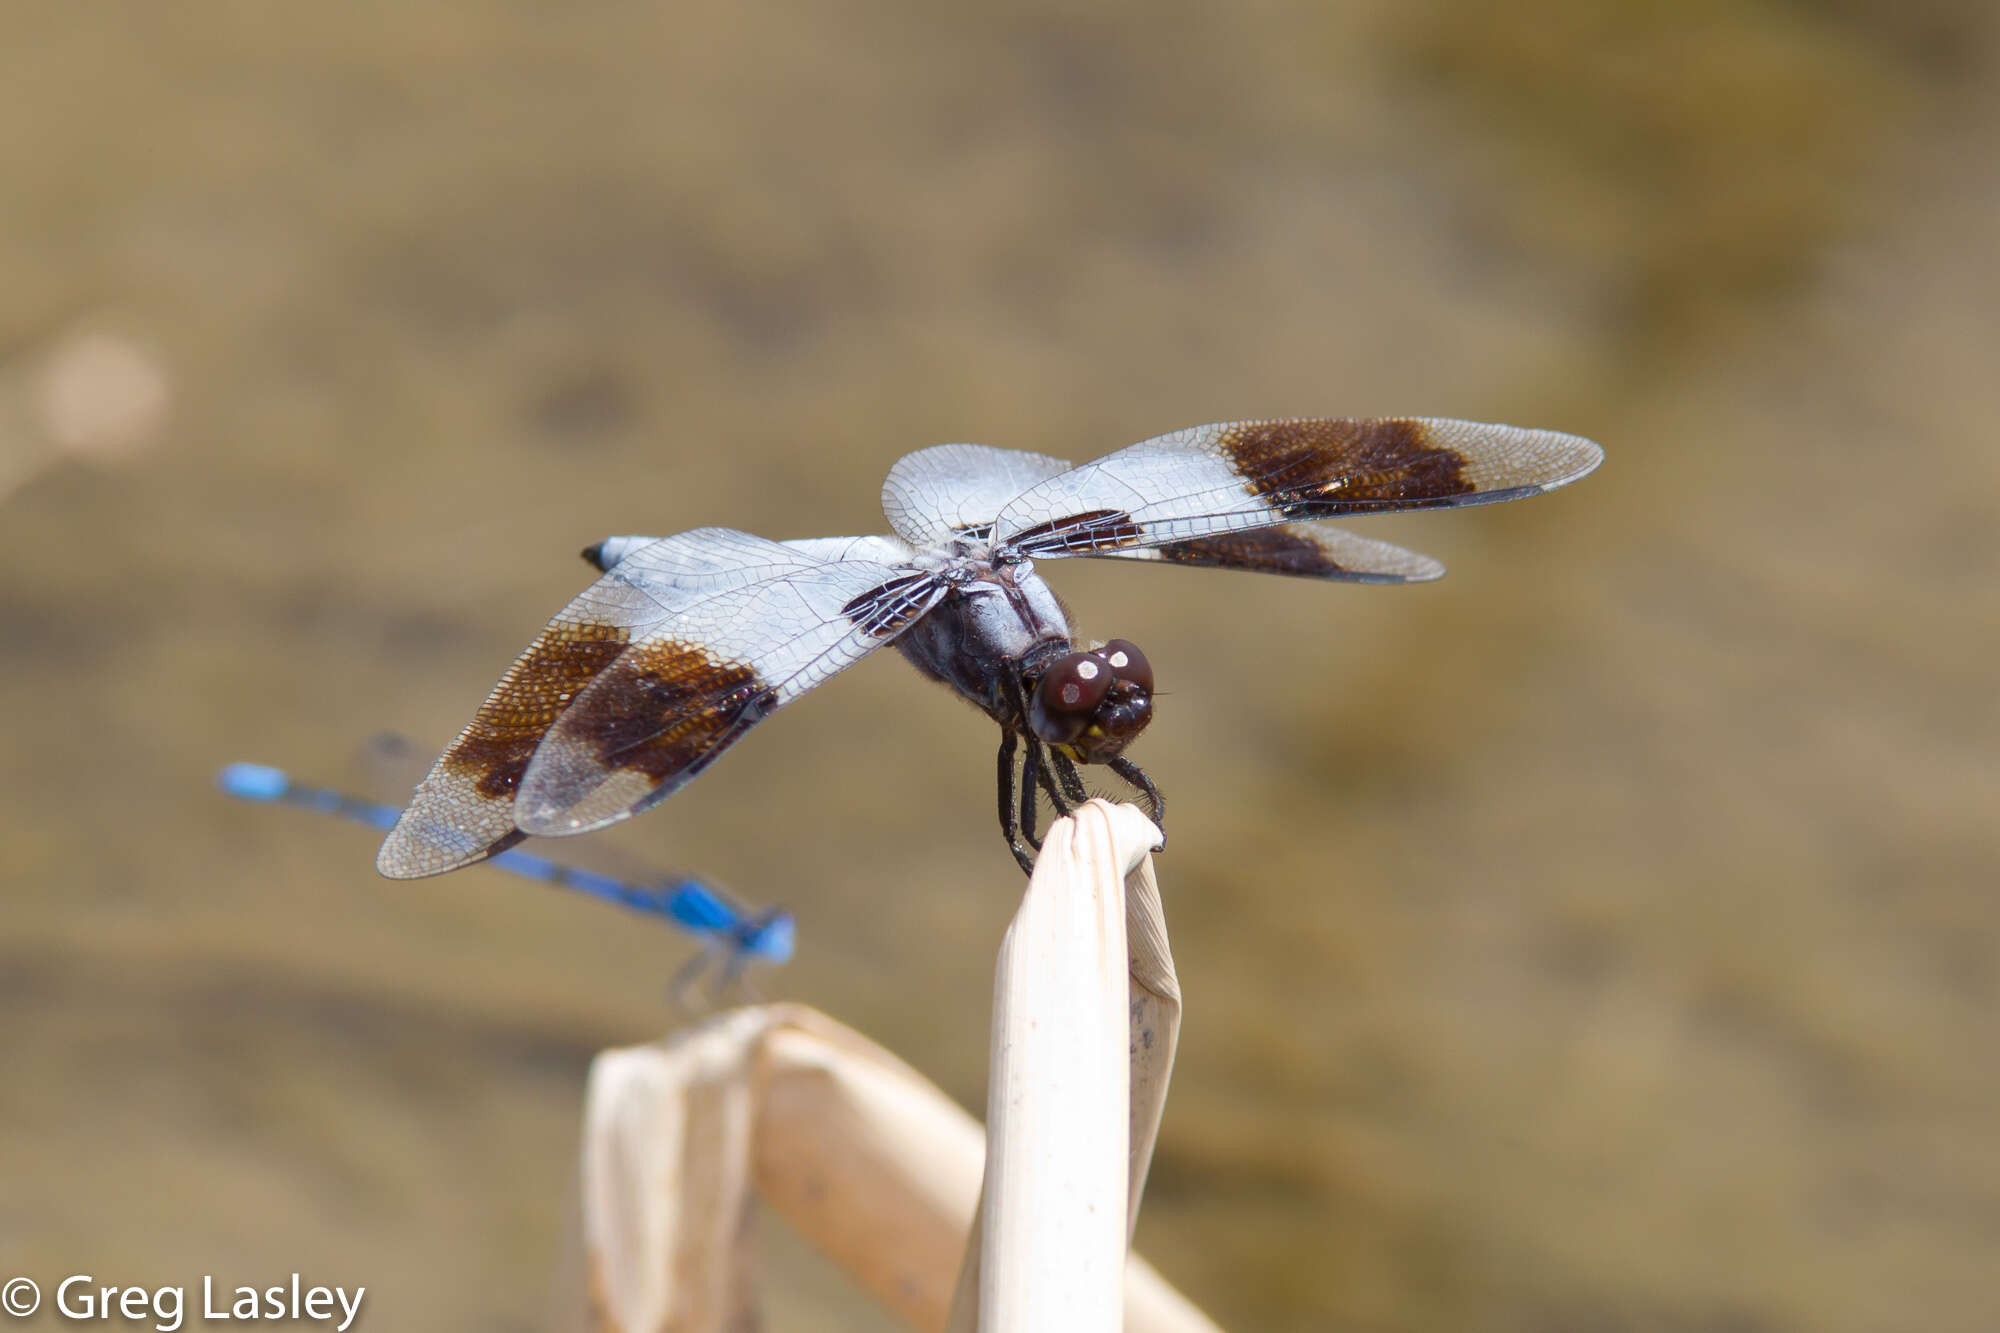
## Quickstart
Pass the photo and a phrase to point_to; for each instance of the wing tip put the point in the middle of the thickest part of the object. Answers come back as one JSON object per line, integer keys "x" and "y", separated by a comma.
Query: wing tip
{"x": 1572, "y": 457}
{"x": 1427, "y": 569}
{"x": 1512, "y": 462}
{"x": 399, "y": 859}
{"x": 1419, "y": 569}
{"x": 415, "y": 849}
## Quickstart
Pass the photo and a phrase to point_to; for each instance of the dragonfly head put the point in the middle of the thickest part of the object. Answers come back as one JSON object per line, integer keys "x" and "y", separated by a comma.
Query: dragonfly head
{"x": 1092, "y": 705}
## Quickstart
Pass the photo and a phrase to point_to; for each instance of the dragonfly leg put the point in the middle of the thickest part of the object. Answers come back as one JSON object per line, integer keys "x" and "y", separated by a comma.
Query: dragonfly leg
{"x": 1045, "y": 777}
{"x": 681, "y": 987}
{"x": 1017, "y": 816}
{"x": 735, "y": 972}
{"x": 1156, "y": 803}
{"x": 1069, "y": 779}
{"x": 1010, "y": 822}
{"x": 1034, "y": 773}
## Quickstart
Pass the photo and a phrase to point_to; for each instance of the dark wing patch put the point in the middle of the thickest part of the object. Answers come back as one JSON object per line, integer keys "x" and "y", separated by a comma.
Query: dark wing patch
{"x": 1270, "y": 550}
{"x": 1209, "y": 481}
{"x": 1321, "y": 467}
{"x": 1299, "y": 550}
{"x": 493, "y": 750}
{"x": 704, "y": 697}
{"x": 464, "y": 810}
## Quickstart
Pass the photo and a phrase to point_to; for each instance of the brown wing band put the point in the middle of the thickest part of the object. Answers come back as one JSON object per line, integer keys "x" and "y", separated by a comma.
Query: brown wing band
{"x": 1320, "y": 468}
{"x": 502, "y": 737}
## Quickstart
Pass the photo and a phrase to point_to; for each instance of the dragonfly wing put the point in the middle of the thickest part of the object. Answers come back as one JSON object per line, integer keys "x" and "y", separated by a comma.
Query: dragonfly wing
{"x": 1300, "y": 550}
{"x": 881, "y": 550}
{"x": 934, "y": 493}
{"x": 676, "y": 698}
{"x": 464, "y": 809}
{"x": 1209, "y": 481}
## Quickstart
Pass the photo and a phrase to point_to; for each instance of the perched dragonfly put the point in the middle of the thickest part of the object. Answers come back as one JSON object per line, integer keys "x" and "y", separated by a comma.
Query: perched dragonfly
{"x": 686, "y": 642}
{"x": 729, "y": 933}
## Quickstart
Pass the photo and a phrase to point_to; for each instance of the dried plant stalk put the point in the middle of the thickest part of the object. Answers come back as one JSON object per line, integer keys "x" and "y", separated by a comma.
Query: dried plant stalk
{"x": 1086, "y": 1017}
{"x": 1155, "y": 999}
{"x": 876, "y": 1166}
{"x": 666, "y": 1173}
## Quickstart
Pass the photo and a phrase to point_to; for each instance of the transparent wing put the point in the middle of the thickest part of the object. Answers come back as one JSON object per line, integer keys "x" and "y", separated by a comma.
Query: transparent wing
{"x": 1300, "y": 550}
{"x": 882, "y": 550}
{"x": 933, "y": 493}
{"x": 1237, "y": 476}
{"x": 464, "y": 809}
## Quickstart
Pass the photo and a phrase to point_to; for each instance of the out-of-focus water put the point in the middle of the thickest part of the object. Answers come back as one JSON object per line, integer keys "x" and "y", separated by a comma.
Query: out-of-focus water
{"x": 1602, "y": 938}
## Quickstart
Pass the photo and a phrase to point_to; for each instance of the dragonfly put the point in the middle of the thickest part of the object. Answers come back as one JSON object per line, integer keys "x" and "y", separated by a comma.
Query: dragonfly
{"x": 732, "y": 936}
{"x": 684, "y": 643}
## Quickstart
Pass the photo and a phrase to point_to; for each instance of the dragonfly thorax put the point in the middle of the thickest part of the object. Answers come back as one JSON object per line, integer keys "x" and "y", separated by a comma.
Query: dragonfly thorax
{"x": 995, "y": 626}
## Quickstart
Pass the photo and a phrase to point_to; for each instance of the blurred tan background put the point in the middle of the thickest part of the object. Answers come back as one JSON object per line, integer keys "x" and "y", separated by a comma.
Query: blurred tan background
{"x": 1602, "y": 939}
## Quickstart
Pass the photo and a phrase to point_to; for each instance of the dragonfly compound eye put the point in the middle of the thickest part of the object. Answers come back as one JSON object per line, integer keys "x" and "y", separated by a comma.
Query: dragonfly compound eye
{"x": 1128, "y": 663}
{"x": 1069, "y": 692}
